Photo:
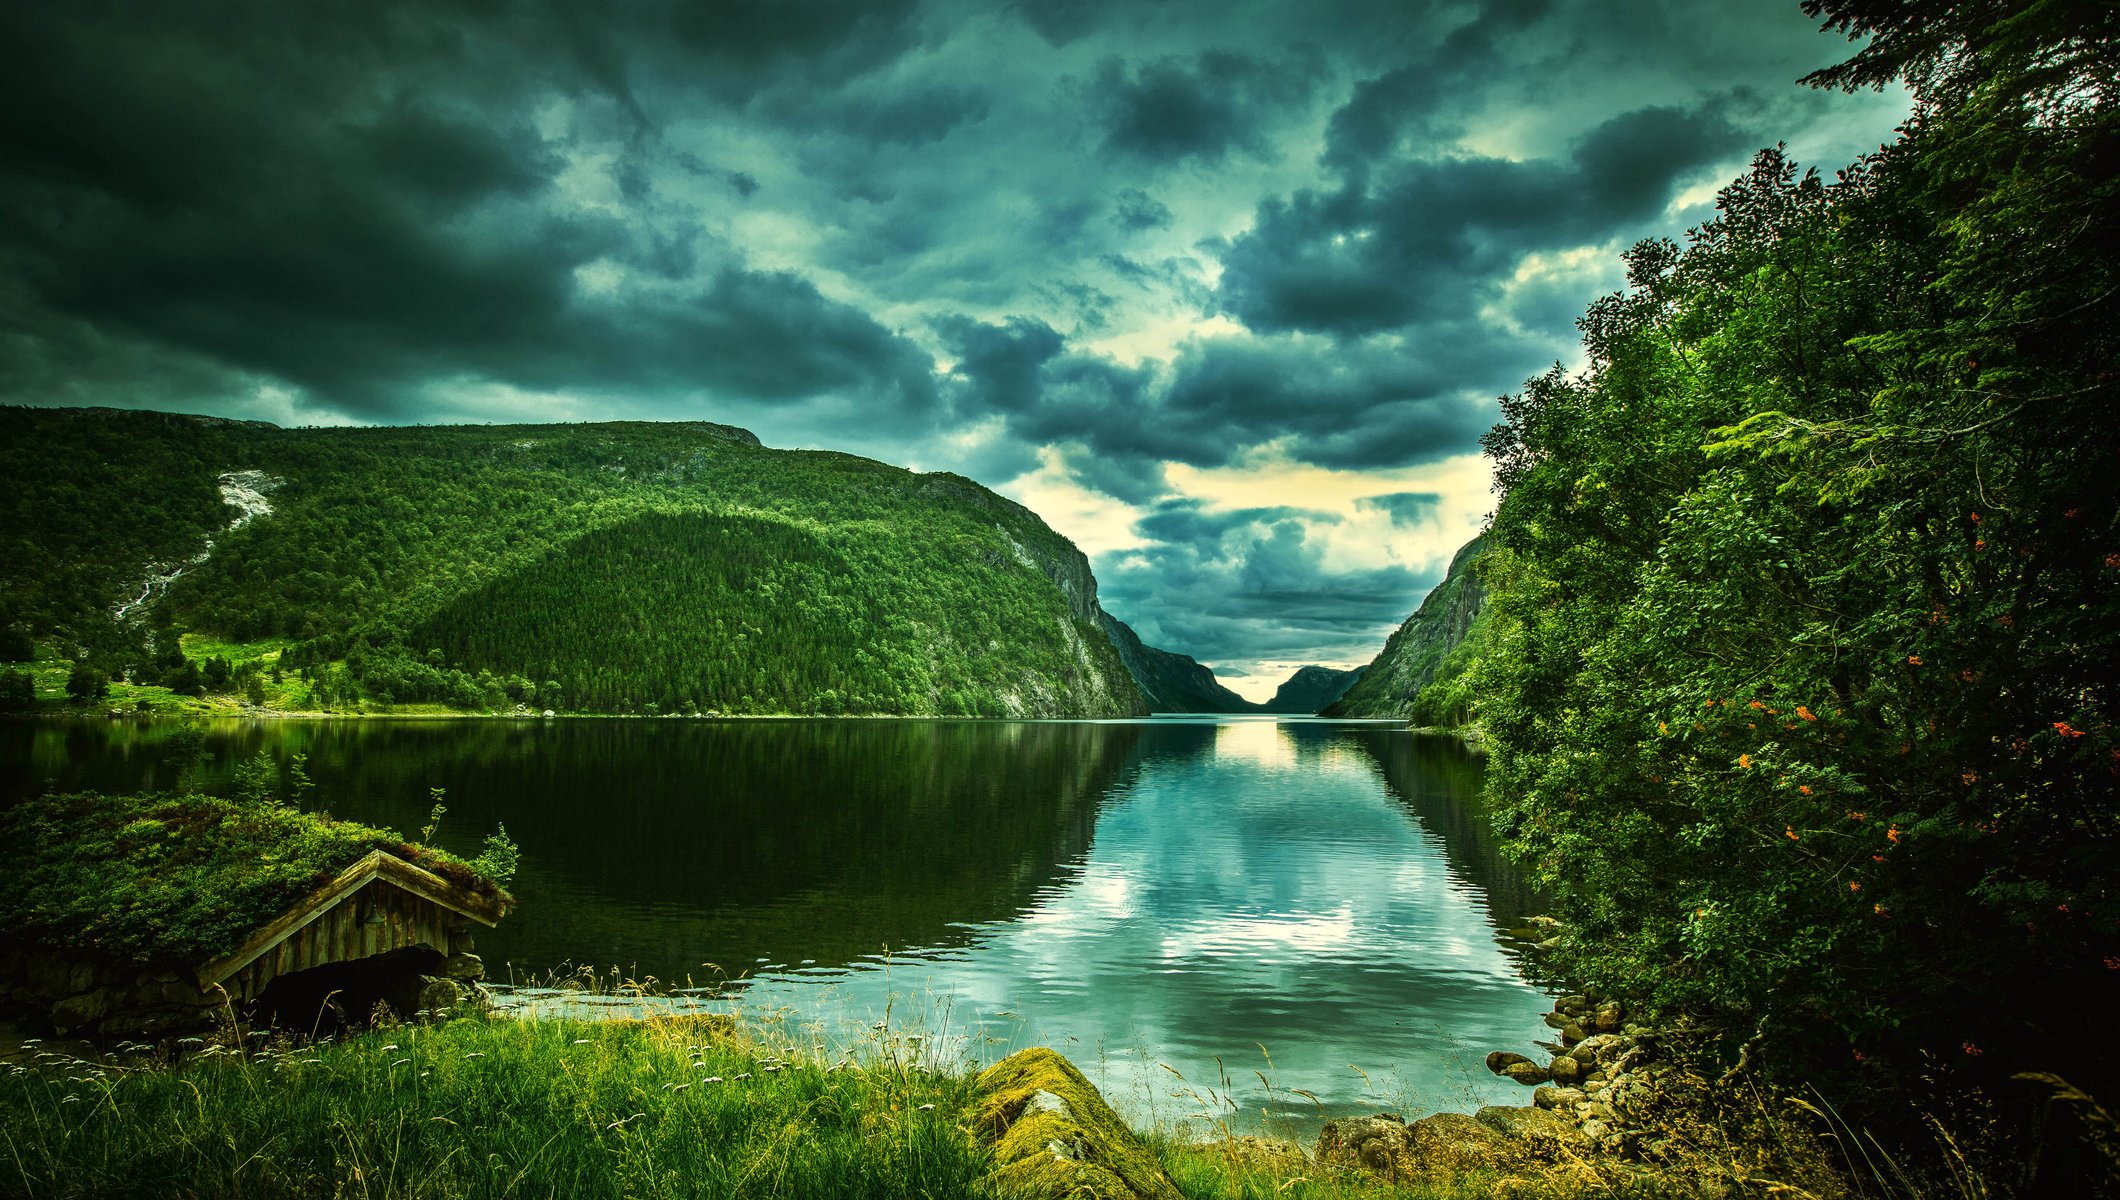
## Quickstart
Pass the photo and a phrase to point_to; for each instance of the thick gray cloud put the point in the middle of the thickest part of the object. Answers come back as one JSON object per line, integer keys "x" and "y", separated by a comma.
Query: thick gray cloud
{"x": 1250, "y": 584}
{"x": 1404, "y": 508}
{"x": 1094, "y": 241}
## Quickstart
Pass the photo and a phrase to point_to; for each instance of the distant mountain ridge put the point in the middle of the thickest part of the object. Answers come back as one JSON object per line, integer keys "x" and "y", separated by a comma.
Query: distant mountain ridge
{"x": 612, "y": 567}
{"x": 1171, "y": 682}
{"x": 1311, "y": 690}
{"x": 1431, "y": 647}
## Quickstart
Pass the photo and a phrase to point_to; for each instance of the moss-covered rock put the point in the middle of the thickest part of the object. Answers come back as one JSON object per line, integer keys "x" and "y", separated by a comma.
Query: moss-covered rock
{"x": 1054, "y": 1136}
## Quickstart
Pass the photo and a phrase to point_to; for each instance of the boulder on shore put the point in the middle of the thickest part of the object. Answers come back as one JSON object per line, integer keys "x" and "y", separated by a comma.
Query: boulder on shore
{"x": 1055, "y": 1137}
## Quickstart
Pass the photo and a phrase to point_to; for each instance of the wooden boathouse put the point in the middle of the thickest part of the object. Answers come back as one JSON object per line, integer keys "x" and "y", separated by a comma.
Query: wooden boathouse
{"x": 384, "y": 931}
{"x": 377, "y": 907}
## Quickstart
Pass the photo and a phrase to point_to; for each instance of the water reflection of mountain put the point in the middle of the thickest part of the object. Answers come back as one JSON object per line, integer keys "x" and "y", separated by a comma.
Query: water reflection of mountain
{"x": 660, "y": 846}
{"x": 1439, "y": 780}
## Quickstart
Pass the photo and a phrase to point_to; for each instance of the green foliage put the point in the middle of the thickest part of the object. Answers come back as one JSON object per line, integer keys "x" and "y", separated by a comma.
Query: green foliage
{"x": 255, "y": 777}
{"x": 611, "y": 568}
{"x": 499, "y": 858}
{"x": 1807, "y": 602}
{"x": 434, "y": 814}
{"x": 18, "y": 691}
{"x": 171, "y": 879}
{"x": 15, "y": 644}
{"x": 85, "y": 684}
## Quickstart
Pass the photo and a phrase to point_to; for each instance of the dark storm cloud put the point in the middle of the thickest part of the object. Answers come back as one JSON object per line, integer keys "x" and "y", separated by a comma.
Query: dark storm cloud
{"x": 1251, "y": 584}
{"x": 1429, "y": 237}
{"x": 1404, "y": 508}
{"x": 1421, "y": 104}
{"x": 1375, "y": 405}
{"x": 1135, "y": 210}
{"x": 338, "y": 204}
{"x": 1204, "y": 106}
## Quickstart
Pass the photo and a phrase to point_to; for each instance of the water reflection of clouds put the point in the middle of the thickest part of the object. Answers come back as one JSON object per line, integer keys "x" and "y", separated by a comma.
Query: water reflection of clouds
{"x": 1270, "y": 890}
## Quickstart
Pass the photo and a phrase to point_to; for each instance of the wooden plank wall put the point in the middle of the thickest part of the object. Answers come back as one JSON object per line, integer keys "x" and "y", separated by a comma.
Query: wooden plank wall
{"x": 377, "y": 919}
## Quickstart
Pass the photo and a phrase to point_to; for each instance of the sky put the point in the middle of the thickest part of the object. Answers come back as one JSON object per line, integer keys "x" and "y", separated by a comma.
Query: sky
{"x": 1224, "y": 291}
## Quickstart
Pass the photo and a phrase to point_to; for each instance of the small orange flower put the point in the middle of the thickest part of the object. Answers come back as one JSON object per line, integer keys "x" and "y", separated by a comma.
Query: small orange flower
{"x": 1663, "y": 727}
{"x": 1979, "y": 543}
{"x": 1805, "y": 789}
{"x": 2112, "y": 962}
{"x": 2067, "y": 730}
{"x": 1856, "y": 816}
{"x": 1708, "y": 704}
{"x": 1853, "y": 886}
{"x": 1972, "y": 1050}
{"x": 1970, "y": 778}
{"x": 1913, "y": 660}
{"x": 1757, "y": 704}
{"x": 1744, "y": 762}
{"x": 1791, "y": 834}
{"x": 2006, "y": 621}
{"x": 1893, "y": 834}
{"x": 1881, "y": 911}
{"x": 1974, "y": 517}
{"x": 1877, "y": 858}
{"x": 2113, "y": 561}
{"x": 1806, "y": 713}
{"x": 1857, "y": 1054}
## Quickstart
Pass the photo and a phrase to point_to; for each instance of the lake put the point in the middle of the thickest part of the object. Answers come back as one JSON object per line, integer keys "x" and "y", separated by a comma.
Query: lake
{"x": 1212, "y": 916}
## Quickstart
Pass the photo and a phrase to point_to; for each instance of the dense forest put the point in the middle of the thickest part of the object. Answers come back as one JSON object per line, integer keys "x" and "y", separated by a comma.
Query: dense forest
{"x": 622, "y": 567}
{"x": 1804, "y": 607}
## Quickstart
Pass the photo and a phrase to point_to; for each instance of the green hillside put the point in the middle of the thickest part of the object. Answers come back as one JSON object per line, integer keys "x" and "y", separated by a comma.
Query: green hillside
{"x": 1419, "y": 675}
{"x": 1172, "y": 682}
{"x": 623, "y": 567}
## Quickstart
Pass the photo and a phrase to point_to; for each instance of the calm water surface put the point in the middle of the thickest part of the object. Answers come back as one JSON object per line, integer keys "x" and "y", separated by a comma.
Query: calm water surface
{"x": 1208, "y": 915}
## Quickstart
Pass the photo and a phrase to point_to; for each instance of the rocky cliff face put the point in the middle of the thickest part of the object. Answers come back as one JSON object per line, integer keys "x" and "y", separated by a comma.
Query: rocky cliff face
{"x": 1410, "y": 660}
{"x": 1311, "y": 689}
{"x": 1171, "y": 682}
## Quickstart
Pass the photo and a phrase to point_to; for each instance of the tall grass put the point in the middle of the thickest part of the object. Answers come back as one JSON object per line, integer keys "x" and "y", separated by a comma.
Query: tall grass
{"x": 677, "y": 1104}
{"x": 666, "y": 1106}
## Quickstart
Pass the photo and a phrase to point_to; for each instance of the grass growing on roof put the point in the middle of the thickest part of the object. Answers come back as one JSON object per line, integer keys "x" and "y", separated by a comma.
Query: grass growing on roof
{"x": 176, "y": 879}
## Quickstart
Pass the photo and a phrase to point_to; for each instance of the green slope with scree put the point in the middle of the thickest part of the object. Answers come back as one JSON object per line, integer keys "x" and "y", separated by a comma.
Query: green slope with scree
{"x": 616, "y": 567}
{"x": 1418, "y": 675}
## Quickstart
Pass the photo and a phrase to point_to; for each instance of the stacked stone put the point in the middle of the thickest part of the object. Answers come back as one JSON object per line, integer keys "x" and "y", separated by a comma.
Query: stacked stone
{"x": 1603, "y": 1077}
{"x": 82, "y": 997}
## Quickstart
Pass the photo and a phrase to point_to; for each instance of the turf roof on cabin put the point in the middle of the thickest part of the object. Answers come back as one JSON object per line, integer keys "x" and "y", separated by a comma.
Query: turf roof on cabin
{"x": 174, "y": 879}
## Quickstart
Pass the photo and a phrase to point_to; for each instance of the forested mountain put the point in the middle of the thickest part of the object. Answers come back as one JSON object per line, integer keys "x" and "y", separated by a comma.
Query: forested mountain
{"x": 1172, "y": 682}
{"x": 1417, "y": 675}
{"x": 1804, "y": 621}
{"x": 1311, "y": 689}
{"x": 627, "y": 567}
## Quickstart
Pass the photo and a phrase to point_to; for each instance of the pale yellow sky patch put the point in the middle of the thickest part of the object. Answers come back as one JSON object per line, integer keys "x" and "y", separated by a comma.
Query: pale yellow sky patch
{"x": 1095, "y": 522}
